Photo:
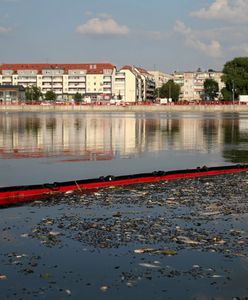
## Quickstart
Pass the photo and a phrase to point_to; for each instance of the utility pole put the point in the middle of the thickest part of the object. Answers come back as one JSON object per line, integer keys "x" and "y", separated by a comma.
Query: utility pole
{"x": 233, "y": 91}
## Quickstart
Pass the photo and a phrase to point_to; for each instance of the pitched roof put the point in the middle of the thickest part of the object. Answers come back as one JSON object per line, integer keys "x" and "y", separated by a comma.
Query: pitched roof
{"x": 136, "y": 70}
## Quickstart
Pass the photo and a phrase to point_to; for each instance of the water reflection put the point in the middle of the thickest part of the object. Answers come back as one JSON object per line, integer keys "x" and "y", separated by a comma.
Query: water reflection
{"x": 236, "y": 141}
{"x": 108, "y": 136}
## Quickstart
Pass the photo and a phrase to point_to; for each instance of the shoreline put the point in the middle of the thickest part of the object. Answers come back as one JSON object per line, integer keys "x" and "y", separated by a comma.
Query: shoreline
{"x": 129, "y": 108}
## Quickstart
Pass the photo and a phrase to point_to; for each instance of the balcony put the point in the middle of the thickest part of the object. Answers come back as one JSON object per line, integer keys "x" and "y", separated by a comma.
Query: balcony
{"x": 71, "y": 85}
{"x": 107, "y": 78}
{"x": 26, "y": 79}
{"x": 6, "y": 78}
{"x": 76, "y": 79}
{"x": 51, "y": 86}
{"x": 107, "y": 90}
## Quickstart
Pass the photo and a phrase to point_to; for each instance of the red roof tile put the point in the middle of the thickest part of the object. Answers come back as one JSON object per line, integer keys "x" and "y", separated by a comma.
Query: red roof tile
{"x": 91, "y": 68}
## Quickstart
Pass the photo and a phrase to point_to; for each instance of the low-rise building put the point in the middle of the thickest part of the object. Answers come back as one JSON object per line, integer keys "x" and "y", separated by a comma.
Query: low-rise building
{"x": 10, "y": 93}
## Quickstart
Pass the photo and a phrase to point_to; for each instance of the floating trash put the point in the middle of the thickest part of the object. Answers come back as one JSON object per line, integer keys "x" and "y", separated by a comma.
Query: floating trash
{"x": 3, "y": 277}
{"x": 104, "y": 288}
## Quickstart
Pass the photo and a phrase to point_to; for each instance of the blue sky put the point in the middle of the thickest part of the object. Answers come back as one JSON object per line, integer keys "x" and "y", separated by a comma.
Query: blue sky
{"x": 161, "y": 34}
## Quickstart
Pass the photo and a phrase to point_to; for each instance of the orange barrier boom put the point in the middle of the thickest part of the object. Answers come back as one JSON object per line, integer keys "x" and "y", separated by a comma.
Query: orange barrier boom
{"x": 18, "y": 194}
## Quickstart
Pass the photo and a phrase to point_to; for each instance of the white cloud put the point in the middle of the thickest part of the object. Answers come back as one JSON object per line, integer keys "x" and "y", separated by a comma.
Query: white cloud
{"x": 227, "y": 10}
{"x": 5, "y": 30}
{"x": 103, "y": 25}
{"x": 212, "y": 48}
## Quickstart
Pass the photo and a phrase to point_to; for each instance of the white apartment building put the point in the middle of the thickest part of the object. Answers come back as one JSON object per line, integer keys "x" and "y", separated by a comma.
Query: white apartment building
{"x": 147, "y": 83}
{"x": 120, "y": 86}
{"x": 160, "y": 78}
{"x": 192, "y": 83}
{"x": 132, "y": 86}
{"x": 97, "y": 81}
{"x": 64, "y": 79}
{"x": 178, "y": 78}
{"x": 139, "y": 84}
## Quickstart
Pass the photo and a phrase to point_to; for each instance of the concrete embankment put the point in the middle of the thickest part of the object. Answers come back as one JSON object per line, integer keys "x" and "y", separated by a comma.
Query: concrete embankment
{"x": 128, "y": 108}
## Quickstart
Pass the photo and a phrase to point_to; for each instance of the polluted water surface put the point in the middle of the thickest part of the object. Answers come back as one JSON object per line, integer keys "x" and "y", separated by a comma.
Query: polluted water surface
{"x": 181, "y": 239}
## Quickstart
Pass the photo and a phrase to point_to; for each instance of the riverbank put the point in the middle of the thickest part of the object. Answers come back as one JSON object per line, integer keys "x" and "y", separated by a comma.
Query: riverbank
{"x": 127, "y": 108}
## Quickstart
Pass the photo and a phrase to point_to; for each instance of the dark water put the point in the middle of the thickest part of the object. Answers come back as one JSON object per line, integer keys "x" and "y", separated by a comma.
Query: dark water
{"x": 78, "y": 264}
{"x": 38, "y": 148}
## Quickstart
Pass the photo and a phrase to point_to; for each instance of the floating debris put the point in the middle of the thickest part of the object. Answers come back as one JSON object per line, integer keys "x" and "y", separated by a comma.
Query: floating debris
{"x": 54, "y": 233}
{"x": 3, "y": 277}
{"x": 104, "y": 288}
{"x": 168, "y": 252}
{"x": 45, "y": 276}
{"x": 148, "y": 265}
{"x": 68, "y": 292}
{"x": 145, "y": 250}
{"x": 146, "y": 230}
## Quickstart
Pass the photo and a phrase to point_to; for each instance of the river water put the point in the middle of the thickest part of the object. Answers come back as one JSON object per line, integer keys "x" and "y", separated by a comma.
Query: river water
{"x": 184, "y": 239}
{"x": 48, "y": 147}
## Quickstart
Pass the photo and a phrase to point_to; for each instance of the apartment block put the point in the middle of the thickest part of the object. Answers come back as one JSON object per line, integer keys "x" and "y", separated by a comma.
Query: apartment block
{"x": 139, "y": 84}
{"x": 94, "y": 81}
{"x": 160, "y": 78}
{"x": 192, "y": 83}
{"x": 64, "y": 79}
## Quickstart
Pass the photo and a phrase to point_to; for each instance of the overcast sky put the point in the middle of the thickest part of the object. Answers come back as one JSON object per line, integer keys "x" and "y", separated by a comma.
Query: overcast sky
{"x": 165, "y": 35}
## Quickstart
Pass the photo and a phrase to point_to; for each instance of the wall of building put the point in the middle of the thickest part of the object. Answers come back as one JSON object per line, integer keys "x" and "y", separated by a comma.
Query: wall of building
{"x": 131, "y": 91}
{"x": 160, "y": 78}
{"x": 64, "y": 79}
{"x": 192, "y": 83}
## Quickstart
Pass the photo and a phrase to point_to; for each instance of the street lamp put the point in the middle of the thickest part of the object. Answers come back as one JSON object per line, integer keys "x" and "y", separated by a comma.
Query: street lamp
{"x": 233, "y": 91}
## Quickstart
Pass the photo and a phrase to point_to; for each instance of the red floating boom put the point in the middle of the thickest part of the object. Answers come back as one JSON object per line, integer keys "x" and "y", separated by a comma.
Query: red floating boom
{"x": 18, "y": 194}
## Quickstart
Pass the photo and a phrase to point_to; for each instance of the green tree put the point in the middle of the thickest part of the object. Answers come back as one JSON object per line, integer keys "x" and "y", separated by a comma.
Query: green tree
{"x": 50, "y": 95}
{"x": 211, "y": 89}
{"x": 170, "y": 90}
{"x": 33, "y": 93}
{"x": 156, "y": 93}
{"x": 235, "y": 77}
{"x": 78, "y": 97}
{"x": 226, "y": 95}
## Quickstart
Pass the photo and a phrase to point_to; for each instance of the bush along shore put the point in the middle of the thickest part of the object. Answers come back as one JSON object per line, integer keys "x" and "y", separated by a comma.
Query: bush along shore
{"x": 181, "y": 239}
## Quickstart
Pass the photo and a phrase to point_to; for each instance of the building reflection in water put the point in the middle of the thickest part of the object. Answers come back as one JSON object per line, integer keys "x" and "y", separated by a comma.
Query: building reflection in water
{"x": 106, "y": 136}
